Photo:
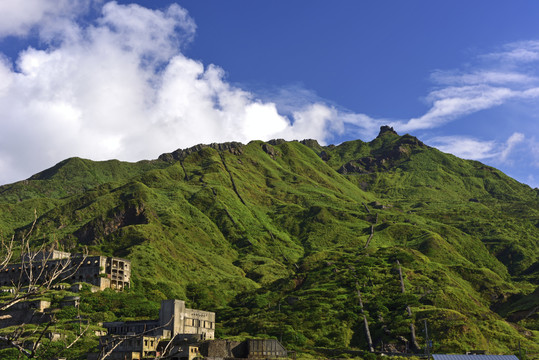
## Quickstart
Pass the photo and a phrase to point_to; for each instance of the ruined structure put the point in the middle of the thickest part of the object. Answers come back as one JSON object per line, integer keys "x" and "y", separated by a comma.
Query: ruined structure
{"x": 174, "y": 319}
{"x": 255, "y": 349}
{"x": 26, "y": 312}
{"x": 100, "y": 271}
{"x": 247, "y": 349}
{"x": 140, "y": 339}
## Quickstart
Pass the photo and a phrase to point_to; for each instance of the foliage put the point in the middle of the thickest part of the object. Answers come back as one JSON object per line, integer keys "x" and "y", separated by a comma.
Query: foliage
{"x": 272, "y": 236}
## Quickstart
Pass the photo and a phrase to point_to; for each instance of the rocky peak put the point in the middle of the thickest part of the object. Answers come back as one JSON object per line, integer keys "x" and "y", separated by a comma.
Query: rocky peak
{"x": 233, "y": 147}
{"x": 384, "y": 129}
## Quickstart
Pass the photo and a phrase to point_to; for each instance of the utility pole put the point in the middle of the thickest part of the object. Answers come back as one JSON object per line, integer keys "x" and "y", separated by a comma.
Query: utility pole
{"x": 280, "y": 323}
{"x": 365, "y": 322}
{"x": 415, "y": 345}
{"x": 427, "y": 341}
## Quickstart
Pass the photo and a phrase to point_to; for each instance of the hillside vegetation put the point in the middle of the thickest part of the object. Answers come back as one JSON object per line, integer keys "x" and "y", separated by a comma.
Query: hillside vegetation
{"x": 278, "y": 237}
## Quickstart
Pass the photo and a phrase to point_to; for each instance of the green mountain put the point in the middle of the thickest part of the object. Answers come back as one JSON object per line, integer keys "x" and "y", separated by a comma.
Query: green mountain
{"x": 278, "y": 237}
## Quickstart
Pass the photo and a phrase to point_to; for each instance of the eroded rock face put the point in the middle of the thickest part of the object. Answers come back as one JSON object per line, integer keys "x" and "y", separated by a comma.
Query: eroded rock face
{"x": 324, "y": 156}
{"x": 233, "y": 147}
{"x": 270, "y": 150}
{"x": 310, "y": 143}
{"x": 386, "y": 159}
{"x": 104, "y": 226}
{"x": 386, "y": 129}
{"x": 276, "y": 141}
{"x": 351, "y": 167}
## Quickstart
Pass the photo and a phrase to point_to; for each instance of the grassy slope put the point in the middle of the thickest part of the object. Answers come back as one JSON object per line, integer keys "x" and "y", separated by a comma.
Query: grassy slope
{"x": 273, "y": 237}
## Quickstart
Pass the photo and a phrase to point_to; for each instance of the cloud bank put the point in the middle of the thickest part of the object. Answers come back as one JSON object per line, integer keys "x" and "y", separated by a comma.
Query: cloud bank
{"x": 120, "y": 86}
{"x": 18, "y": 18}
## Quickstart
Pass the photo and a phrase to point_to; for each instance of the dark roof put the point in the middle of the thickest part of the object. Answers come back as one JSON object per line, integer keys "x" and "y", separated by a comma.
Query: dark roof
{"x": 474, "y": 357}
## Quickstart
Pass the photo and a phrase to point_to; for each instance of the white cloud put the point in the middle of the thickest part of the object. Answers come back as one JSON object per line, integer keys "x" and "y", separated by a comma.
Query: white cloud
{"x": 474, "y": 149}
{"x": 497, "y": 79}
{"x": 465, "y": 147}
{"x": 19, "y": 17}
{"x": 452, "y": 102}
{"x": 515, "y": 53}
{"x": 481, "y": 77}
{"x": 152, "y": 35}
{"x": 510, "y": 144}
{"x": 290, "y": 98}
{"x": 532, "y": 181}
{"x": 121, "y": 88}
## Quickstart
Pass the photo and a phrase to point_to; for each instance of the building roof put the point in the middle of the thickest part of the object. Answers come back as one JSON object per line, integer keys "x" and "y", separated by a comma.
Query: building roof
{"x": 473, "y": 357}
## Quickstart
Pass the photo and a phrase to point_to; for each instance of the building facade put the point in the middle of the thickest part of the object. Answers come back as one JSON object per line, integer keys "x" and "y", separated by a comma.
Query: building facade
{"x": 186, "y": 321}
{"x": 136, "y": 348}
{"x": 175, "y": 322}
{"x": 100, "y": 271}
{"x": 174, "y": 319}
{"x": 247, "y": 349}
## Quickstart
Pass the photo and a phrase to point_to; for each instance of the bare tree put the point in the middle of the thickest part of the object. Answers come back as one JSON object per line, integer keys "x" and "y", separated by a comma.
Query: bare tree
{"x": 37, "y": 272}
{"x": 114, "y": 341}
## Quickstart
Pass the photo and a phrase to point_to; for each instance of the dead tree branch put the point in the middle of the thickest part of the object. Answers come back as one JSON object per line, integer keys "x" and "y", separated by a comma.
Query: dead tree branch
{"x": 36, "y": 274}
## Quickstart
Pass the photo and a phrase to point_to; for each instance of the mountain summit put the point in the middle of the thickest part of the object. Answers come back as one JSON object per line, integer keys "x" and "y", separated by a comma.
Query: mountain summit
{"x": 385, "y": 129}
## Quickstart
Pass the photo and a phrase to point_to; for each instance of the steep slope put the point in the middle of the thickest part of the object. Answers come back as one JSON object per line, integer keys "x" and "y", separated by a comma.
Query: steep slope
{"x": 278, "y": 237}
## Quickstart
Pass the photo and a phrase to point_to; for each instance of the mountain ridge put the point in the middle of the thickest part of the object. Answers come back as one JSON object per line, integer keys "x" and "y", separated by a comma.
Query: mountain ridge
{"x": 262, "y": 230}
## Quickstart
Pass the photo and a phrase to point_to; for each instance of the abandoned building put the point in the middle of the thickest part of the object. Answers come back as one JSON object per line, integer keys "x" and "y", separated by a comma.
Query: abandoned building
{"x": 184, "y": 349}
{"x": 180, "y": 334}
{"x": 247, "y": 349}
{"x": 26, "y": 312}
{"x": 174, "y": 319}
{"x": 474, "y": 356}
{"x": 100, "y": 271}
{"x": 140, "y": 339}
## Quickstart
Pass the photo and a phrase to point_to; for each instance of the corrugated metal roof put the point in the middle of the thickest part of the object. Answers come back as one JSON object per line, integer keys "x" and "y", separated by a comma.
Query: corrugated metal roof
{"x": 474, "y": 357}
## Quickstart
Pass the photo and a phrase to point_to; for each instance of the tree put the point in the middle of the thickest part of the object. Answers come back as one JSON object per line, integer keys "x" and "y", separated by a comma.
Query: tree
{"x": 36, "y": 273}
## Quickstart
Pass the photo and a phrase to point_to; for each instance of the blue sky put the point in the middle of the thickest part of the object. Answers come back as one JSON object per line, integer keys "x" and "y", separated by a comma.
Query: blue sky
{"x": 128, "y": 80}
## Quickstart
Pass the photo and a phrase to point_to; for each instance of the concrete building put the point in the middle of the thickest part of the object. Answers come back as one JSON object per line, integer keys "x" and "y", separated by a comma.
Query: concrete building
{"x": 175, "y": 322}
{"x": 186, "y": 321}
{"x": 473, "y": 357}
{"x": 253, "y": 349}
{"x": 179, "y": 350}
{"x": 247, "y": 349}
{"x": 174, "y": 319}
{"x": 104, "y": 272}
{"x": 100, "y": 271}
{"x": 136, "y": 348}
{"x": 26, "y": 312}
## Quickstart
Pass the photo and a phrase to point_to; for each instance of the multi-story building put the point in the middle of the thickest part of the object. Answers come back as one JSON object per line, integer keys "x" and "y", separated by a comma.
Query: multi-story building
{"x": 100, "y": 271}
{"x": 174, "y": 319}
{"x": 138, "y": 339}
{"x": 186, "y": 321}
{"x": 135, "y": 348}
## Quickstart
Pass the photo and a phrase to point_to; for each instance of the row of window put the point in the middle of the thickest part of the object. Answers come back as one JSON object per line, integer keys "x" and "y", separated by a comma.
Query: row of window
{"x": 199, "y": 323}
